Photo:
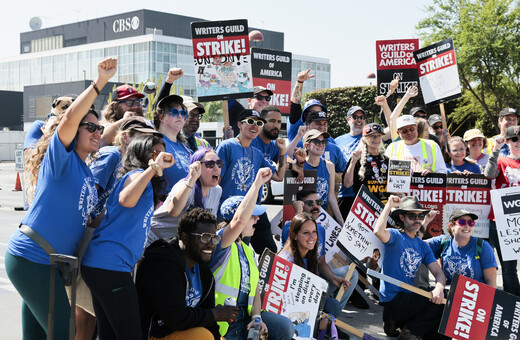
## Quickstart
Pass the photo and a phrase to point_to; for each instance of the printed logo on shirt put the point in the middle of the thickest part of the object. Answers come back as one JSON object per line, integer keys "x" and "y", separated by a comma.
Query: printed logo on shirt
{"x": 322, "y": 188}
{"x": 182, "y": 160}
{"x": 87, "y": 199}
{"x": 146, "y": 225}
{"x": 512, "y": 175}
{"x": 192, "y": 297}
{"x": 410, "y": 261}
{"x": 348, "y": 149}
{"x": 242, "y": 173}
{"x": 458, "y": 264}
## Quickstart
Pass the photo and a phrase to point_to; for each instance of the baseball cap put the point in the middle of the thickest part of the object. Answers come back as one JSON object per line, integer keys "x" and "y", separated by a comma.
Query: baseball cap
{"x": 512, "y": 131}
{"x": 230, "y": 206}
{"x": 313, "y": 134}
{"x": 248, "y": 113}
{"x": 168, "y": 100}
{"x": 416, "y": 109}
{"x": 191, "y": 105}
{"x": 461, "y": 212}
{"x": 310, "y": 103}
{"x": 434, "y": 119}
{"x": 473, "y": 133}
{"x": 313, "y": 115}
{"x": 139, "y": 124}
{"x": 353, "y": 109}
{"x": 405, "y": 120}
{"x": 258, "y": 89}
{"x": 508, "y": 111}
{"x": 124, "y": 92}
{"x": 372, "y": 128}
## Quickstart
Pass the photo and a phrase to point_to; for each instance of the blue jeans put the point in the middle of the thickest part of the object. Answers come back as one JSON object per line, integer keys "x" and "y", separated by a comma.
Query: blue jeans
{"x": 278, "y": 326}
{"x": 509, "y": 272}
{"x": 333, "y": 290}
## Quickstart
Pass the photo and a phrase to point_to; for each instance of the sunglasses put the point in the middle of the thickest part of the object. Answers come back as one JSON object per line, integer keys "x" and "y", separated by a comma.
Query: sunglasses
{"x": 437, "y": 127}
{"x": 413, "y": 216}
{"x": 174, "y": 112}
{"x": 357, "y": 117}
{"x": 260, "y": 97}
{"x": 91, "y": 127}
{"x": 251, "y": 121}
{"x": 132, "y": 102}
{"x": 311, "y": 203}
{"x": 195, "y": 115}
{"x": 462, "y": 223}
{"x": 207, "y": 237}
{"x": 514, "y": 139}
{"x": 211, "y": 164}
{"x": 318, "y": 142}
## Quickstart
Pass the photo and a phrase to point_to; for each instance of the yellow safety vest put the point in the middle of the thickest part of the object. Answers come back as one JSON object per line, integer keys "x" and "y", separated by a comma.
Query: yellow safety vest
{"x": 228, "y": 276}
{"x": 428, "y": 154}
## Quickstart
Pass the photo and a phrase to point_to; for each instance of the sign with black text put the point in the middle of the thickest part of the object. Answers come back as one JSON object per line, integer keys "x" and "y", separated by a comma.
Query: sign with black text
{"x": 506, "y": 207}
{"x": 272, "y": 70}
{"x": 222, "y": 60}
{"x": 438, "y": 74}
{"x": 399, "y": 176}
{"x": 291, "y": 186}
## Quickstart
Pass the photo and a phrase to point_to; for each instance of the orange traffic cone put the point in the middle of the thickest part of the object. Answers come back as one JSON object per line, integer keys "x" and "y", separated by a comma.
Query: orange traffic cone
{"x": 18, "y": 184}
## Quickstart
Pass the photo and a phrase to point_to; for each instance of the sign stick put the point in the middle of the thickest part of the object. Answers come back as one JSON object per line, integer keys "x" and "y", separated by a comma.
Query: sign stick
{"x": 350, "y": 271}
{"x": 443, "y": 115}
{"x": 225, "y": 113}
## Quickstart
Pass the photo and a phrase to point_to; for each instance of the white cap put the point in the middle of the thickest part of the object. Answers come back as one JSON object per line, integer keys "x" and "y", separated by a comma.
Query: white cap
{"x": 405, "y": 120}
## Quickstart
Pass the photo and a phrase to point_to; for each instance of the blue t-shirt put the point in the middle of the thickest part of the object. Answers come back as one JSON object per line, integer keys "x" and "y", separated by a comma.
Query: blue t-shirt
{"x": 348, "y": 143}
{"x": 292, "y": 129}
{"x": 104, "y": 169}
{"x": 332, "y": 153}
{"x": 403, "y": 256}
{"x": 194, "y": 288}
{"x": 474, "y": 168}
{"x": 270, "y": 151}
{"x": 321, "y": 237}
{"x": 322, "y": 181}
{"x": 240, "y": 168}
{"x": 119, "y": 240}
{"x": 33, "y": 134}
{"x": 180, "y": 169}
{"x": 462, "y": 259}
{"x": 65, "y": 196}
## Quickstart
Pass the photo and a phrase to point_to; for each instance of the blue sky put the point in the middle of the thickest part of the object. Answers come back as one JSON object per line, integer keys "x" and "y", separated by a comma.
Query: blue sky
{"x": 343, "y": 31}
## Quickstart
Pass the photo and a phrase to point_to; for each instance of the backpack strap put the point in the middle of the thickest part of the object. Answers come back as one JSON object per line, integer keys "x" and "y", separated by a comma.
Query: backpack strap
{"x": 478, "y": 248}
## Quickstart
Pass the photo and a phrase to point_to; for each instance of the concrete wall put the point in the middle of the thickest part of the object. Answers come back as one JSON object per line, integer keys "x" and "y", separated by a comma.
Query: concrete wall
{"x": 10, "y": 141}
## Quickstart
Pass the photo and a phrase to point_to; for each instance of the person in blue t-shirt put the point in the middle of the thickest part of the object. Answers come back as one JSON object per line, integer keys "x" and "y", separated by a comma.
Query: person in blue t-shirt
{"x": 404, "y": 252}
{"x": 458, "y": 252}
{"x": 118, "y": 242}
{"x": 458, "y": 163}
{"x": 267, "y": 141}
{"x": 64, "y": 198}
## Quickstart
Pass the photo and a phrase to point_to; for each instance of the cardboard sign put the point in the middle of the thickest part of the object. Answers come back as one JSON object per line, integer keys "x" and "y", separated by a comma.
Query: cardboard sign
{"x": 291, "y": 186}
{"x": 332, "y": 230}
{"x": 506, "y": 206}
{"x": 272, "y": 70}
{"x": 438, "y": 74}
{"x": 221, "y": 59}
{"x": 357, "y": 239}
{"x": 395, "y": 59}
{"x": 431, "y": 192}
{"x": 399, "y": 176}
{"x": 476, "y": 311}
{"x": 292, "y": 291}
{"x": 276, "y": 222}
{"x": 470, "y": 193}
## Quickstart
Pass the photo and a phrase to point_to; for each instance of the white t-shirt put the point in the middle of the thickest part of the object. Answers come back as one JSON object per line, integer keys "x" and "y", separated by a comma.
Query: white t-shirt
{"x": 165, "y": 226}
{"x": 415, "y": 154}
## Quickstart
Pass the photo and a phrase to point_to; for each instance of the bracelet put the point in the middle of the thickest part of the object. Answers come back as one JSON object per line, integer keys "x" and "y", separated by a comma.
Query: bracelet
{"x": 186, "y": 184}
{"x": 155, "y": 167}
{"x": 301, "y": 82}
{"x": 256, "y": 316}
{"x": 95, "y": 88}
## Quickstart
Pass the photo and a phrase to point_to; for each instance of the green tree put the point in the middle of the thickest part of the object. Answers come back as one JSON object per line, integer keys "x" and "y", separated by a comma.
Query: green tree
{"x": 486, "y": 34}
{"x": 213, "y": 112}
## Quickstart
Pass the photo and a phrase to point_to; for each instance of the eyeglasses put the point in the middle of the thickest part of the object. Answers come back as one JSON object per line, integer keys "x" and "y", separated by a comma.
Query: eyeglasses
{"x": 357, "y": 117}
{"x": 195, "y": 115}
{"x": 207, "y": 237}
{"x": 132, "y": 102}
{"x": 413, "y": 216}
{"x": 174, "y": 112}
{"x": 437, "y": 127}
{"x": 260, "y": 97}
{"x": 311, "y": 203}
{"x": 318, "y": 142}
{"x": 211, "y": 164}
{"x": 514, "y": 139}
{"x": 462, "y": 223}
{"x": 251, "y": 121}
{"x": 458, "y": 150}
{"x": 91, "y": 127}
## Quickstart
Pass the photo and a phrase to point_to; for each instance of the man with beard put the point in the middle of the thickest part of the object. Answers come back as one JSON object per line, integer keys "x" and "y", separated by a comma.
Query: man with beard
{"x": 124, "y": 98}
{"x": 404, "y": 252}
{"x": 175, "y": 285}
{"x": 191, "y": 125}
{"x": 267, "y": 141}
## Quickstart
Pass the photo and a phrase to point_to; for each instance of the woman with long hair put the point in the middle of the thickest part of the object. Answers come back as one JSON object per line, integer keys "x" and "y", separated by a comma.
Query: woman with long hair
{"x": 119, "y": 240}
{"x": 456, "y": 150}
{"x": 65, "y": 196}
{"x": 199, "y": 189}
{"x": 369, "y": 163}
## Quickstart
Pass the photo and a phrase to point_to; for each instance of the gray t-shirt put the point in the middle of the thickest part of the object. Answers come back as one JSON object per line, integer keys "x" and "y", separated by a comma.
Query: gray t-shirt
{"x": 165, "y": 226}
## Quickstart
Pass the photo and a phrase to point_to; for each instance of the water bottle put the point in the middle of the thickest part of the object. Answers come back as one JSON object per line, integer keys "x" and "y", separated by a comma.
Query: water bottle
{"x": 254, "y": 331}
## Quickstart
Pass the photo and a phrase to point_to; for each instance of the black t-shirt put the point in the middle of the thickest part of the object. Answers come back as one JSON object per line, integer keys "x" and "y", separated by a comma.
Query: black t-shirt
{"x": 376, "y": 176}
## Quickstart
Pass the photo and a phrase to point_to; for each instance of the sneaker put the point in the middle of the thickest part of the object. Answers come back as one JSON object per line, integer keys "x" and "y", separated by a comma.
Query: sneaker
{"x": 406, "y": 334}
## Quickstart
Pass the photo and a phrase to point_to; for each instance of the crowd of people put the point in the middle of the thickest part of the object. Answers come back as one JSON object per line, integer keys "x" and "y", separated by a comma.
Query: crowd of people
{"x": 168, "y": 230}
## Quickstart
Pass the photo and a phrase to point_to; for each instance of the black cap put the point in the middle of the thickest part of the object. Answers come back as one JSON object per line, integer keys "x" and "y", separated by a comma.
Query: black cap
{"x": 508, "y": 111}
{"x": 316, "y": 115}
{"x": 416, "y": 109}
{"x": 247, "y": 113}
{"x": 166, "y": 101}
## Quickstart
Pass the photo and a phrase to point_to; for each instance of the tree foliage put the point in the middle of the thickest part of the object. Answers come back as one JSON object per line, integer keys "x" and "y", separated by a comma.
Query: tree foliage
{"x": 486, "y": 35}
